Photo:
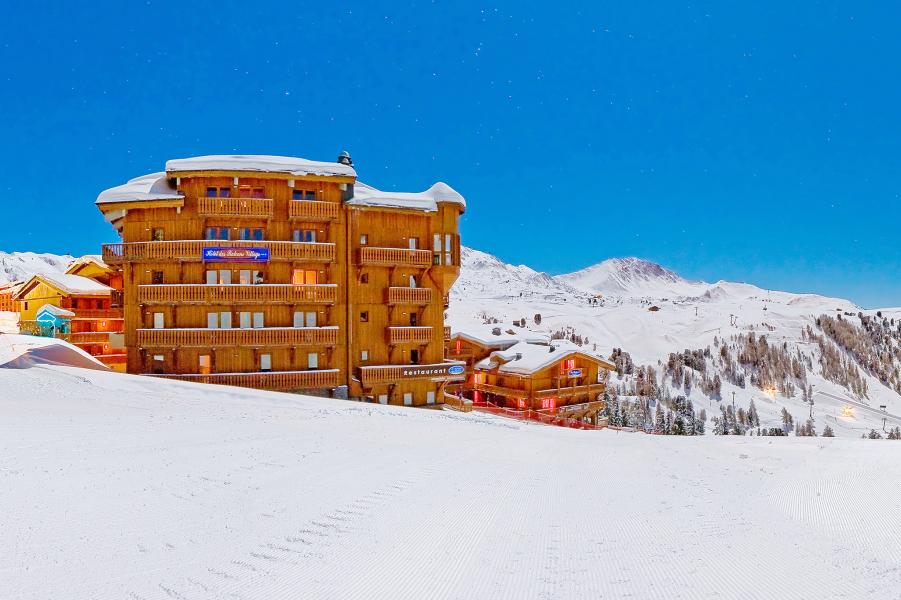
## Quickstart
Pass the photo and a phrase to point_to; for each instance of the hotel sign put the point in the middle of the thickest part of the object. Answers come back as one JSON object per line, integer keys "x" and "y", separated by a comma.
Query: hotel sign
{"x": 234, "y": 254}
{"x": 420, "y": 371}
{"x": 575, "y": 372}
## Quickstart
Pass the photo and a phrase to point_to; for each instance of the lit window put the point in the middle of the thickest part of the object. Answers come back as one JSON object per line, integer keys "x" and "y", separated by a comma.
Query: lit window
{"x": 302, "y": 277}
{"x": 203, "y": 363}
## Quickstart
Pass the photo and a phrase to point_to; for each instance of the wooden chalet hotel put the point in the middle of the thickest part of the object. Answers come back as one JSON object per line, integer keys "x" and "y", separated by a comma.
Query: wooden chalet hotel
{"x": 284, "y": 273}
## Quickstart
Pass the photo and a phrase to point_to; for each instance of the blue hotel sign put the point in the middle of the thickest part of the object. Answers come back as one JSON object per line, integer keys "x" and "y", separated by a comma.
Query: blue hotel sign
{"x": 575, "y": 373}
{"x": 234, "y": 254}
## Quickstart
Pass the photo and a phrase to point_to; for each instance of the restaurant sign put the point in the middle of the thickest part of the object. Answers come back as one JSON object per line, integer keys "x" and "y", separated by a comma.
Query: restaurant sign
{"x": 234, "y": 254}
{"x": 575, "y": 372}
{"x": 420, "y": 371}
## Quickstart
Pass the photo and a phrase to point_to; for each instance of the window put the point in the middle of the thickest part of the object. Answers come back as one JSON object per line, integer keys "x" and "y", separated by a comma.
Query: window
{"x": 158, "y": 320}
{"x": 203, "y": 364}
{"x": 312, "y": 360}
{"x": 414, "y": 357}
{"x": 311, "y": 319}
{"x": 225, "y": 320}
{"x": 212, "y": 277}
{"x": 217, "y": 233}
{"x": 430, "y": 397}
{"x": 364, "y": 278}
{"x": 159, "y": 364}
{"x": 245, "y": 277}
{"x": 436, "y": 245}
{"x": 458, "y": 347}
{"x": 408, "y": 399}
{"x": 364, "y": 239}
{"x": 550, "y": 403}
{"x": 413, "y": 243}
{"x": 258, "y": 192}
{"x": 211, "y": 192}
{"x": 298, "y": 319}
{"x": 303, "y": 195}
{"x": 436, "y": 259}
{"x": 156, "y": 277}
{"x": 383, "y": 398}
{"x": 304, "y": 235}
{"x": 255, "y": 233}
{"x": 244, "y": 320}
{"x": 265, "y": 362}
{"x": 364, "y": 317}
{"x": 225, "y": 192}
{"x": 157, "y": 234}
{"x": 567, "y": 365}
{"x": 414, "y": 319}
{"x": 412, "y": 281}
{"x": 364, "y": 355}
{"x": 212, "y": 320}
{"x": 302, "y": 277}
{"x": 257, "y": 320}
{"x": 447, "y": 250}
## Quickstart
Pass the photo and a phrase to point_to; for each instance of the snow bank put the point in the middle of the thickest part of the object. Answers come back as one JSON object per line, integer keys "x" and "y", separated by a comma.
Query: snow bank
{"x": 25, "y": 351}
{"x": 117, "y": 486}
{"x": 366, "y": 195}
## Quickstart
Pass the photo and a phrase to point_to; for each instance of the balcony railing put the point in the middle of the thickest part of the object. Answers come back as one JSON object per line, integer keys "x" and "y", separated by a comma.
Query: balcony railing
{"x": 89, "y": 337}
{"x": 377, "y": 374}
{"x": 391, "y": 257}
{"x": 408, "y": 295}
{"x": 270, "y": 380}
{"x": 562, "y": 392}
{"x": 267, "y": 336}
{"x": 192, "y": 250}
{"x": 96, "y": 313}
{"x": 244, "y": 294}
{"x": 409, "y": 335}
{"x": 312, "y": 210}
{"x": 235, "y": 207}
{"x": 500, "y": 390}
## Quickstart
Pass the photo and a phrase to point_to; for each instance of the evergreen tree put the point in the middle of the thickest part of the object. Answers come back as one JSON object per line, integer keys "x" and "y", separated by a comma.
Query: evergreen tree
{"x": 659, "y": 424}
{"x": 827, "y": 431}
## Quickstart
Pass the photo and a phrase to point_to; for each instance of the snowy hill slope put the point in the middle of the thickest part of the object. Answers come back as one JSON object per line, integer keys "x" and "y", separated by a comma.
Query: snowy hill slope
{"x": 691, "y": 315}
{"x": 17, "y": 266}
{"x": 119, "y": 486}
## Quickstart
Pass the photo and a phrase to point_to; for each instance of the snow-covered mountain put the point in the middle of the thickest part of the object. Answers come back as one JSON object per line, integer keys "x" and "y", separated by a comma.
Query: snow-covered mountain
{"x": 16, "y": 266}
{"x": 650, "y": 312}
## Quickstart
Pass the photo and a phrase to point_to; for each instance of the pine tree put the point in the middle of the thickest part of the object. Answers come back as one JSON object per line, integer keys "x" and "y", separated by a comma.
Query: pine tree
{"x": 659, "y": 424}
{"x": 827, "y": 431}
{"x": 753, "y": 417}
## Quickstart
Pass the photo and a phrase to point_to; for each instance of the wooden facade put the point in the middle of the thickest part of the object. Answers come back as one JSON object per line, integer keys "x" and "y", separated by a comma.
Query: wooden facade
{"x": 285, "y": 280}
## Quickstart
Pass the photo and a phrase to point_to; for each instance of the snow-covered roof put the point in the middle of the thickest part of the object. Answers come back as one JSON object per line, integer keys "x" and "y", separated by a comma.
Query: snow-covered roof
{"x": 366, "y": 195}
{"x": 73, "y": 285}
{"x": 524, "y": 358}
{"x": 153, "y": 186}
{"x": 96, "y": 259}
{"x": 484, "y": 335}
{"x": 55, "y": 310}
{"x": 260, "y": 164}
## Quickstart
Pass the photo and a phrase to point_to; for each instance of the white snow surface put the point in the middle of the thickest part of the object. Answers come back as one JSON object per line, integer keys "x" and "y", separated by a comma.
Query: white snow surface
{"x": 691, "y": 315}
{"x": 366, "y": 195}
{"x": 76, "y": 284}
{"x": 153, "y": 186}
{"x": 26, "y": 351}
{"x": 119, "y": 486}
{"x": 19, "y": 266}
{"x": 525, "y": 358}
{"x": 258, "y": 163}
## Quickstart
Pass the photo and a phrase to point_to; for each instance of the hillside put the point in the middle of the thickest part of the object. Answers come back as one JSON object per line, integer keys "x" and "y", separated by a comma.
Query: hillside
{"x": 610, "y": 305}
{"x": 17, "y": 266}
{"x": 118, "y": 486}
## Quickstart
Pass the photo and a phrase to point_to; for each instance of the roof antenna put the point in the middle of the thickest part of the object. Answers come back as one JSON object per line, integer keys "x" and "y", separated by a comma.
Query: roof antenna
{"x": 345, "y": 159}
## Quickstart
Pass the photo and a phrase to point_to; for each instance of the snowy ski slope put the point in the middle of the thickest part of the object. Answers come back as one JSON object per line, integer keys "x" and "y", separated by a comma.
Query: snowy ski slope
{"x": 117, "y": 486}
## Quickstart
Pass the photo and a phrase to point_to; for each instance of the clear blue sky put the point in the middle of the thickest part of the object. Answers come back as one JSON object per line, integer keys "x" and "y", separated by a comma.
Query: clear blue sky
{"x": 757, "y": 142}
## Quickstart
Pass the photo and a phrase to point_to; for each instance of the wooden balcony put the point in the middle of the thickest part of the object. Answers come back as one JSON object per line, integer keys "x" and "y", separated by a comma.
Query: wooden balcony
{"x": 570, "y": 391}
{"x": 235, "y": 207}
{"x": 379, "y": 374}
{"x": 270, "y": 380}
{"x": 500, "y": 390}
{"x": 394, "y": 257}
{"x": 409, "y": 335}
{"x": 267, "y": 336}
{"x": 408, "y": 295}
{"x": 192, "y": 250}
{"x": 311, "y": 210}
{"x": 88, "y": 337}
{"x": 242, "y": 294}
{"x": 96, "y": 313}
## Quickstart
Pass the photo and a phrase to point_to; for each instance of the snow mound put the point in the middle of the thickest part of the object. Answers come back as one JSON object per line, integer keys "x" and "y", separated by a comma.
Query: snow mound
{"x": 25, "y": 351}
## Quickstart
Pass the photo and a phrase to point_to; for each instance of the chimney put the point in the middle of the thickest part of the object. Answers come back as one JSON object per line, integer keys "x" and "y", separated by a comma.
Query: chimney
{"x": 345, "y": 159}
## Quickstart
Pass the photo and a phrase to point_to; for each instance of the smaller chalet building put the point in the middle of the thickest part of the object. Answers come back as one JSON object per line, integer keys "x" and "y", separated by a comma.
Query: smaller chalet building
{"x": 520, "y": 369}
{"x": 76, "y": 308}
